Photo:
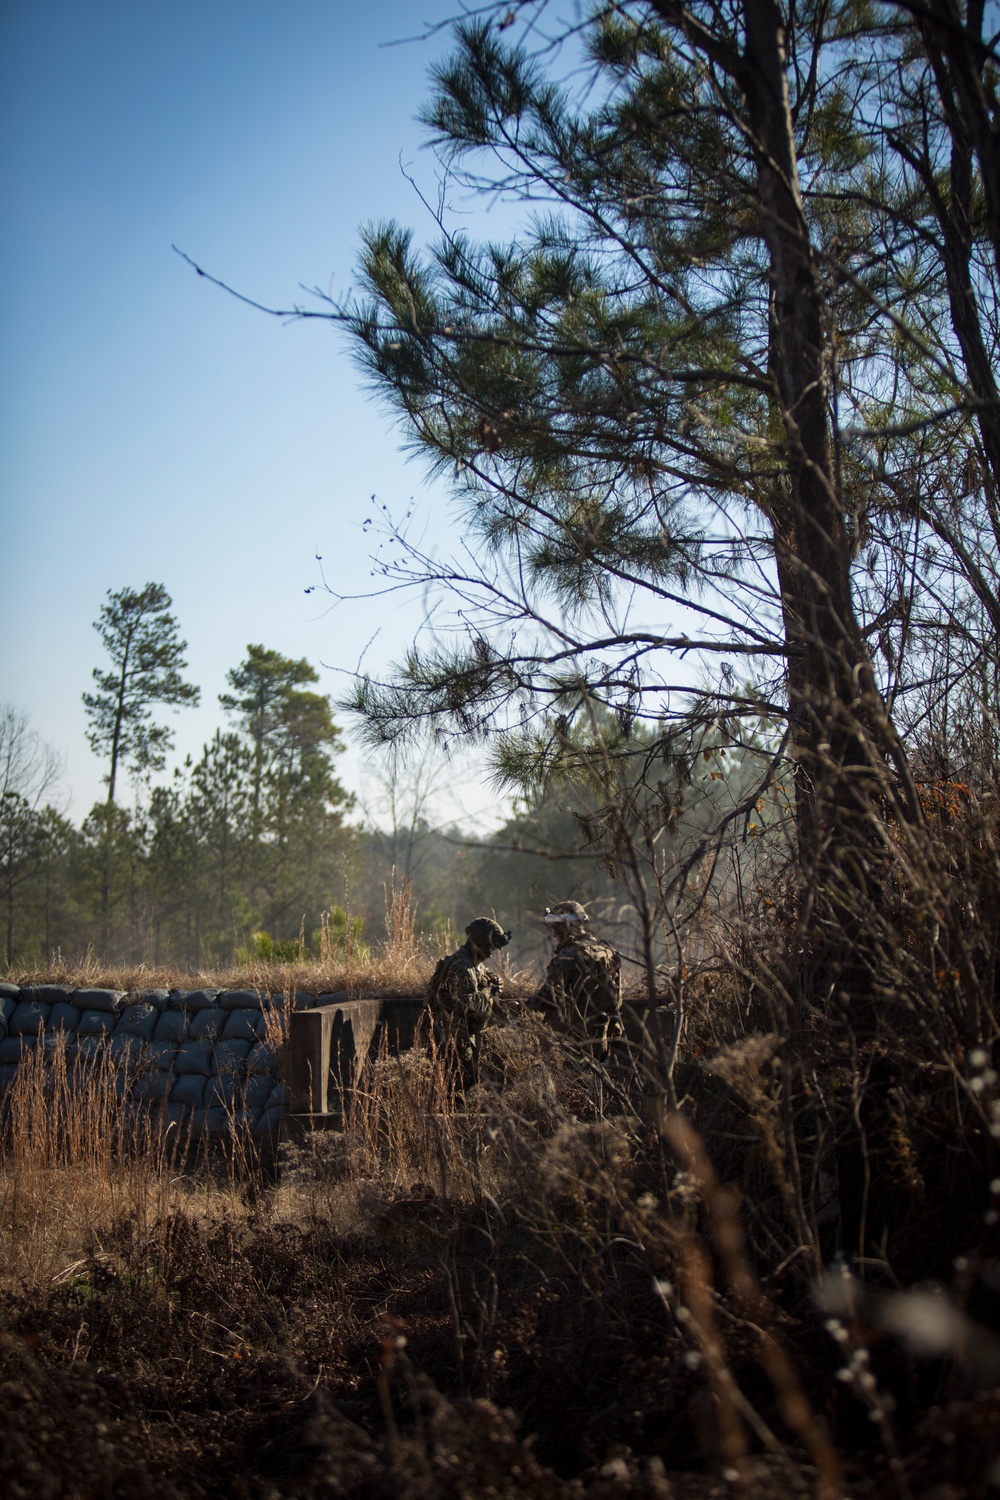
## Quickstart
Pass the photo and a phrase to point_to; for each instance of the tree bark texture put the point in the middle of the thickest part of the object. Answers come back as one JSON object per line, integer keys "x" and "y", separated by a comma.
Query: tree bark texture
{"x": 840, "y": 731}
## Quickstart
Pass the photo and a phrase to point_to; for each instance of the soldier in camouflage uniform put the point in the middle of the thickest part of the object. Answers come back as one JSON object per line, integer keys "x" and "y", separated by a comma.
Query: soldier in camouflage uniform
{"x": 582, "y": 990}
{"x": 461, "y": 993}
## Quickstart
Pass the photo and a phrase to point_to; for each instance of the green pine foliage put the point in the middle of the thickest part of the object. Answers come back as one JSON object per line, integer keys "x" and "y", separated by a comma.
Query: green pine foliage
{"x": 147, "y": 657}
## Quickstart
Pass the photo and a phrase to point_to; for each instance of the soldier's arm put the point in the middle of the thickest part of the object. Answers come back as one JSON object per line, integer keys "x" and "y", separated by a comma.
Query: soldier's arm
{"x": 468, "y": 998}
{"x": 479, "y": 1007}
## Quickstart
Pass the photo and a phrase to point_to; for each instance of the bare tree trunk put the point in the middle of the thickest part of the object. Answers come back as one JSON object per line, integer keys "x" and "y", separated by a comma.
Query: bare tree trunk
{"x": 815, "y": 542}
{"x": 840, "y": 729}
{"x": 952, "y": 49}
{"x": 958, "y": 43}
{"x": 841, "y": 735}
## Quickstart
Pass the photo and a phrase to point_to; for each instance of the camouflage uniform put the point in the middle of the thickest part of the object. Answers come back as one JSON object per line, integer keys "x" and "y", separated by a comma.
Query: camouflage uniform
{"x": 460, "y": 997}
{"x": 582, "y": 990}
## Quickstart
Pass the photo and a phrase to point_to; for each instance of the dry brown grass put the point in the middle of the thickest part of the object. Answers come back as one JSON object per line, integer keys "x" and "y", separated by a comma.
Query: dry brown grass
{"x": 80, "y": 1156}
{"x": 65, "y": 1171}
{"x": 361, "y": 974}
{"x": 381, "y": 974}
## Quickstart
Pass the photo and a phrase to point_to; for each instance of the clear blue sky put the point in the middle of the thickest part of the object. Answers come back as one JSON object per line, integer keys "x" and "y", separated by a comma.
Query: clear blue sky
{"x": 152, "y": 428}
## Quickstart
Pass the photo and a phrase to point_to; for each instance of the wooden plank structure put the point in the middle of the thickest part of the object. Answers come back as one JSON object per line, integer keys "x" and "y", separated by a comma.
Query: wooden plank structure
{"x": 328, "y": 1048}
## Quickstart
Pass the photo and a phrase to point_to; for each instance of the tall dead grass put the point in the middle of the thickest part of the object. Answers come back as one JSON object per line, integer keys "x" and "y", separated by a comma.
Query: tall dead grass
{"x": 358, "y": 972}
{"x": 76, "y": 1156}
{"x": 86, "y": 1149}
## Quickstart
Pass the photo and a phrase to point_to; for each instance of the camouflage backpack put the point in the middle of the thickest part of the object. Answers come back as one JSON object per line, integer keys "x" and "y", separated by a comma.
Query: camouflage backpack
{"x": 600, "y": 975}
{"x": 437, "y": 979}
{"x": 609, "y": 980}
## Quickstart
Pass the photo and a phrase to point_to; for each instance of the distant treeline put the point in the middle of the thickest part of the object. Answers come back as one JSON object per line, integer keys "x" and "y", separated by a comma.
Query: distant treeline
{"x": 254, "y": 849}
{"x": 198, "y": 878}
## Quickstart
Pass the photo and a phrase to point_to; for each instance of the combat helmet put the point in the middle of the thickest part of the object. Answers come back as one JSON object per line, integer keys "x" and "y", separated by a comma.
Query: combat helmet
{"x": 566, "y": 914}
{"x": 487, "y": 934}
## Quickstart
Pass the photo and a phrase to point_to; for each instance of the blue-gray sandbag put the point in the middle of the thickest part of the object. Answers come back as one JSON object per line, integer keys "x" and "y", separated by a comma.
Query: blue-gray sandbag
{"x": 109, "y": 1000}
{"x": 230, "y": 1057}
{"x": 160, "y": 1054}
{"x": 153, "y": 1086}
{"x": 208, "y": 1023}
{"x": 28, "y": 1017}
{"x": 8, "y": 1005}
{"x": 45, "y": 994}
{"x": 224, "y": 1090}
{"x": 239, "y": 1000}
{"x": 90, "y": 1046}
{"x": 159, "y": 998}
{"x": 194, "y": 1057}
{"x": 139, "y": 1019}
{"x": 95, "y": 1023}
{"x": 171, "y": 1026}
{"x": 268, "y": 1124}
{"x": 124, "y": 1047}
{"x": 64, "y": 1016}
{"x": 262, "y": 1059}
{"x": 256, "y": 1093}
{"x": 189, "y": 1089}
{"x": 192, "y": 999}
{"x": 214, "y": 1122}
{"x": 241, "y": 1026}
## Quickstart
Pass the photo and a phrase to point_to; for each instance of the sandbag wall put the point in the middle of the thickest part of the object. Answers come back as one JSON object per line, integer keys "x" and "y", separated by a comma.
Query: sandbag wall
{"x": 203, "y": 1055}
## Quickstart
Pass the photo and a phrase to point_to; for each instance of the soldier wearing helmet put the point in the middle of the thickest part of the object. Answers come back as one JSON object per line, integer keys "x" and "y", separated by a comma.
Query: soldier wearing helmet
{"x": 461, "y": 993}
{"x": 582, "y": 990}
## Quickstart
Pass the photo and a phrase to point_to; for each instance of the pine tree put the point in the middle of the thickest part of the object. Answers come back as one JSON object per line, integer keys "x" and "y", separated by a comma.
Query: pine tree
{"x": 637, "y": 398}
{"x": 266, "y": 687}
{"x": 140, "y": 636}
{"x": 296, "y": 801}
{"x": 218, "y": 818}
